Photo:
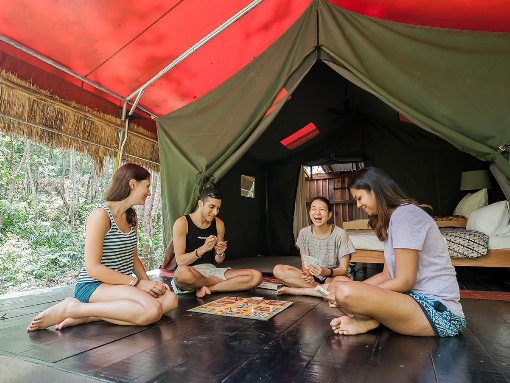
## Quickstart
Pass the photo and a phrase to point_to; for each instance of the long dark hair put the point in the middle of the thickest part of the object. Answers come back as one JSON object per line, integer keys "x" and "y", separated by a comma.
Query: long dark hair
{"x": 388, "y": 195}
{"x": 120, "y": 189}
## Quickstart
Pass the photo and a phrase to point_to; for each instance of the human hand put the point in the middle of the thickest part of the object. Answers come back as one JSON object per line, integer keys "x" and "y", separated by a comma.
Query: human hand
{"x": 307, "y": 277}
{"x": 155, "y": 289}
{"x": 315, "y": 270}
{"x": 209, "y": 243}
{"x": 221, "y": 247}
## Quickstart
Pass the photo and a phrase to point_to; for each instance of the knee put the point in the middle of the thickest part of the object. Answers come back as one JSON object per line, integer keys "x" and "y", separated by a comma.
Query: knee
{"x": 184, "y": 275}
{"x": 256, "y": 277}
{"x": 170, "y": 302}
{"x": 344, "y": 293}
{"x": 279, "y": 271}
{"x": 152, "y": 312}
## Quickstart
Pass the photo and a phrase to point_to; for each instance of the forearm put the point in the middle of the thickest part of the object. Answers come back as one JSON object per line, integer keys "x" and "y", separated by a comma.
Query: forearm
{"x": 189, "y": 258}
{"x": 377, "y": 279}
{"x": 396, "y": 284}
{"x": 139, "y": 269}
{"x": 341, "y": 271}
{"x": 105, "y": 274}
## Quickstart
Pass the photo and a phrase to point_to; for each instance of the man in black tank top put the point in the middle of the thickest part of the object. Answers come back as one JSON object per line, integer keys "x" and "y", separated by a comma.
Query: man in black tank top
{"x": 199, "y": 242}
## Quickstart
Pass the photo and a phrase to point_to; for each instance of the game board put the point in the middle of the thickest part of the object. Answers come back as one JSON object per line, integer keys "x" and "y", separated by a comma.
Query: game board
{"x": 251, "y": 308}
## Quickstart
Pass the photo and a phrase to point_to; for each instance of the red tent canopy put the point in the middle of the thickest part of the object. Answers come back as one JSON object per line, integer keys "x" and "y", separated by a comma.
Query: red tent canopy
{"x": 121, "y": 45}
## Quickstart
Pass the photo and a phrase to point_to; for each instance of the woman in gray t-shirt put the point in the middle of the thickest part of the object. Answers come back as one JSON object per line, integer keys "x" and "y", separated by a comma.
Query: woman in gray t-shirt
{"x": 417, "y": 292}
{"x": 324, "y": 243}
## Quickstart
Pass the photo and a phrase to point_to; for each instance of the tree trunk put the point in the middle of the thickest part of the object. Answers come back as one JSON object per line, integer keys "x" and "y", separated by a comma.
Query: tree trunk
{"x": 26, "y": 154}
{"x": 61, "y": 190}
{"x": 72, "y": 176}
{"x": 33, "y": 190}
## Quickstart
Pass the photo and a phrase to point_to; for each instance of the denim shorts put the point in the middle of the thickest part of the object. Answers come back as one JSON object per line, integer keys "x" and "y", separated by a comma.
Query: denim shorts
{"x": 83, "y": 291}
{"x": 442, "y": 320}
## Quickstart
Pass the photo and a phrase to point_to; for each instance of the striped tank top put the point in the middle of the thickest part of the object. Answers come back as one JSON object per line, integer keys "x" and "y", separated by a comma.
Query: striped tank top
{"x": 118, "y": 250}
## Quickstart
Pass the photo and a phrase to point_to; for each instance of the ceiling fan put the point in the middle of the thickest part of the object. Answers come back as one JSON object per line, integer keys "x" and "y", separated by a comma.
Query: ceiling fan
{"x": 347, "y": 110}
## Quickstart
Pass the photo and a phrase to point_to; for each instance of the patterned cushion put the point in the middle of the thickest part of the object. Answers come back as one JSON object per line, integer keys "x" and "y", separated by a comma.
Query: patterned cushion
{"x": 465, "y": 243}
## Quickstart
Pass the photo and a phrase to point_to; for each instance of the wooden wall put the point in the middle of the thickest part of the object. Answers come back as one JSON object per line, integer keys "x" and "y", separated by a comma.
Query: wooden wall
{"x": 334, "y": 188}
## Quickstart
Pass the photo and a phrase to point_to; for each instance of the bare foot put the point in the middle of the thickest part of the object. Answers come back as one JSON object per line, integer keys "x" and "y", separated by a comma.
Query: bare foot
{"x": 203, "y": 291}
{"x": 53, "y": 315}
{"x": 289, "y": 290}
{"x": 347, "y": 325}
{"x": 68, "y": 322}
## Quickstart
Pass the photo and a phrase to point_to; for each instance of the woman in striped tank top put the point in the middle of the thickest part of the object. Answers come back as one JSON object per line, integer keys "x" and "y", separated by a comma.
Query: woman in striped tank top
{"x": 106, "y": 289}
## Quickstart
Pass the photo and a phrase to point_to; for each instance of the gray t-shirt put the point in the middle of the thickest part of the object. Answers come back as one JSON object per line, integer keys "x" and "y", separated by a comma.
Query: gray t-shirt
{"x": 328, "y": 250}
{"x": 412, "y": 228}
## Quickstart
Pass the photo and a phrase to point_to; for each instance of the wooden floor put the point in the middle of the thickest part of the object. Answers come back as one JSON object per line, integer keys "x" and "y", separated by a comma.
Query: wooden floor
{"x": 297, "y": 345}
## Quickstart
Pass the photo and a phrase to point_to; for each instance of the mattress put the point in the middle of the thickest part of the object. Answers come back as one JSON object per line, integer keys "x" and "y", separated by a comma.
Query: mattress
{"x": 496, "y": 242}
{"x": 367, "y": 240}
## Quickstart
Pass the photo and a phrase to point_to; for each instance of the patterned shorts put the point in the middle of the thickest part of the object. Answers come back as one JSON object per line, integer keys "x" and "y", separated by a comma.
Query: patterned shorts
{"x": 441, "y": 319}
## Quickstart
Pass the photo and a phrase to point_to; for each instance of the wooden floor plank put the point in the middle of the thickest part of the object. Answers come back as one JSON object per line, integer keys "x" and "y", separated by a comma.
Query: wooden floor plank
{"x": 401, "y": 358}
{"x": 463, "y": 359}
{"x": 208, "y": 353}
{"x": 296, "y": 345}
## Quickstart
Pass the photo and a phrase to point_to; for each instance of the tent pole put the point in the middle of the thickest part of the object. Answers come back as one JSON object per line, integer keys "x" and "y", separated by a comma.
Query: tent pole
{"x": 195, "y": 47}
{"x": 68, "y": 71}
{"x": 126, "y": 122}
{"x": 58, "y": 66}
{"x": 123, "y": 118}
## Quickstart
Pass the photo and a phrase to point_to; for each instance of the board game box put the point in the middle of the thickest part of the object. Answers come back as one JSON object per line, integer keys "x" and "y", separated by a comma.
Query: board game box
{"x": 252, "y": 308}
{"x": 270, "y": 283}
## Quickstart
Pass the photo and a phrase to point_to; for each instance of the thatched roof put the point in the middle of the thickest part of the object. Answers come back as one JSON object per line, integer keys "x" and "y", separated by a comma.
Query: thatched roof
{"x": 31, "y": 112}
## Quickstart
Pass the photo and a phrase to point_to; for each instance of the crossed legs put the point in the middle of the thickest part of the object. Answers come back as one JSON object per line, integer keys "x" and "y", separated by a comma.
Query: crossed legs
{"x": 371, "y": 305}
{"x": 295, "y": 285}
{"x": 118, "y": 304}
{"x": 187, "y": 278}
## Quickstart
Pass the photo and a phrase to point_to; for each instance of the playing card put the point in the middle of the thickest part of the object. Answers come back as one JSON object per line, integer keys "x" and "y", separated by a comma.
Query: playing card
{"x": 307, "y": 260}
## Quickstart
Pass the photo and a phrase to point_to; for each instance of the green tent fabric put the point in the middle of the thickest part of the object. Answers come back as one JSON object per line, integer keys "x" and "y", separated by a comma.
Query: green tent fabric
{"x": 449, "y": 82}
{"x": 194, "y": 141}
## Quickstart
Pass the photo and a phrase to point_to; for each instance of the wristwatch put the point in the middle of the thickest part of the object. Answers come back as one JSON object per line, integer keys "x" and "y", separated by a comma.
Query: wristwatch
{"x": 330, "y": 272}
{"x": 221, "y": 255}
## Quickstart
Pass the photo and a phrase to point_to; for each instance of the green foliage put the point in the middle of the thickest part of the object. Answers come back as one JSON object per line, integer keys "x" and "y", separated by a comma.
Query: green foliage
{"x": 39, "y": 245}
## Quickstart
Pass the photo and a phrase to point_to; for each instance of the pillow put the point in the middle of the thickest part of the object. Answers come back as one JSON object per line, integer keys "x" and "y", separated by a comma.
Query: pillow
{"x": 471, "y": 202}
{"x": 490, "y": 219}
{"x": 504, "y": 231}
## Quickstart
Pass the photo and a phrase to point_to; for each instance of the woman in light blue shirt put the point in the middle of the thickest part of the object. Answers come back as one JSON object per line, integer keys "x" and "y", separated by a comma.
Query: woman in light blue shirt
{"x": 417, "y": 292}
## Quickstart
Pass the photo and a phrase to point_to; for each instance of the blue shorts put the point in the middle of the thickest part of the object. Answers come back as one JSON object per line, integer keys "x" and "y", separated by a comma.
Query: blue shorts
{"x": 83, "y": 291}
{"x": 441, "y": 319}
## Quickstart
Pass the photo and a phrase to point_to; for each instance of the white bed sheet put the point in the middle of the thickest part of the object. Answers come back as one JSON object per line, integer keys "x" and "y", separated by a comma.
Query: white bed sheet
{"x": 366, "y": 241}
{"x": 369, "y": 241}
{"x": 496, "y": 242}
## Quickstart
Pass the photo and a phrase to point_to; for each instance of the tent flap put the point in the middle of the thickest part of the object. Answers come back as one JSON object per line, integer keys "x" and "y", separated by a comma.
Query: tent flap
{"x": 452, "y": 83}
{"x": 196, "y": 140}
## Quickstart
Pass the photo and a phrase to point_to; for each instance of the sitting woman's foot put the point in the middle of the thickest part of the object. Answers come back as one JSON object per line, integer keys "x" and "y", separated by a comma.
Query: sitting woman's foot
{"x": 68, "y": 322}
{"x": 347, "y": 325}
{"x": 203, "y": 291}
{"x": 54, "y": 314}
{"x": 288, "y": 290}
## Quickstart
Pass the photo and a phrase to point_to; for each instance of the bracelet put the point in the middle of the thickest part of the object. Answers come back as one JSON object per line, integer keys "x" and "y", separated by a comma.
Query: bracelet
{"x": 221, "y": 255}
{"x": 196, "y": 253}
{"x": 330, "y": 272}
{"x": 132, "y": 281}
{"x": 137, "y": 282}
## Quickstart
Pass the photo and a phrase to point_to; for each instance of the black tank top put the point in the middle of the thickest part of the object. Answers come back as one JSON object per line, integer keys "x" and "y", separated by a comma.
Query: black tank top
{"x": 196, "y": 237}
